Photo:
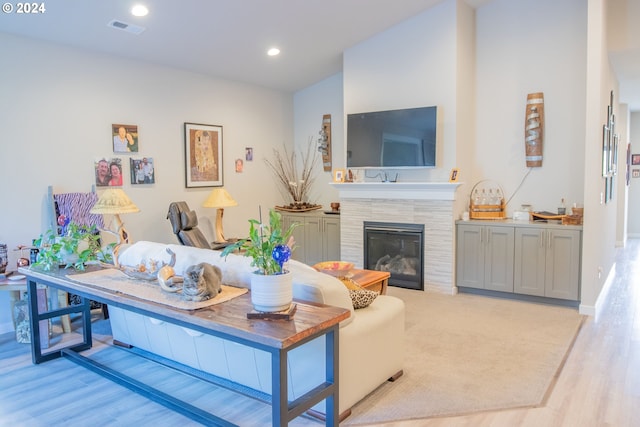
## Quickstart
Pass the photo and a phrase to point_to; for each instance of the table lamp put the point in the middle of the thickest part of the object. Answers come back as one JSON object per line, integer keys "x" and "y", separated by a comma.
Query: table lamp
{"x": 114, "y": 201}
{"x": 219, "y": 198}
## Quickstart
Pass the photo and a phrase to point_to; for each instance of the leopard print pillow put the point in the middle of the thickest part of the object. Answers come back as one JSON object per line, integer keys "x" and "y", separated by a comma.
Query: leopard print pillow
{"x": 361, "y": 298}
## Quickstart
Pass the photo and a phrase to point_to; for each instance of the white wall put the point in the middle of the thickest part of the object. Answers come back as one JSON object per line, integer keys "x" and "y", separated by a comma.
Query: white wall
{"x": 525, "y": 47}
{"x": 412, "y": 64}
{"x": 633, "y": 226}
{"x": 57, "y": 108}
{"x": 310, "y": 104}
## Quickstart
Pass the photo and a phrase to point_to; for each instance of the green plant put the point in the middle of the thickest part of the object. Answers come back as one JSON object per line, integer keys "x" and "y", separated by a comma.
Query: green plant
{"x": 78, "y": 245}
{"x": 266, "y": 245}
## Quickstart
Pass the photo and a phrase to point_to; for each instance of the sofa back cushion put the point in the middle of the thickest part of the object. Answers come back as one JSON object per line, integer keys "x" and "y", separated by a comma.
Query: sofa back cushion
{"x": 308, "y": 284}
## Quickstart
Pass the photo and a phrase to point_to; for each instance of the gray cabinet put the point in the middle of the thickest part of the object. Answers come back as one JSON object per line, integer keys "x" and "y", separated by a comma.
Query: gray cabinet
{"x": 317, "y": 237}
{"x": 523, "y": 258}
{"x": 547, "y": 262}
{"x": 485, "y": 257}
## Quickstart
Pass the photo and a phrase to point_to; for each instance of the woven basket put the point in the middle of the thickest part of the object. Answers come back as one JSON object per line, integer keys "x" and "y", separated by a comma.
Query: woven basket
{"x": 484, "y": 211}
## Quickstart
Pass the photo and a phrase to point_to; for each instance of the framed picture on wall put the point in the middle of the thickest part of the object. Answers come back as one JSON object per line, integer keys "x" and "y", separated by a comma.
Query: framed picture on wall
{"x": 203, "y": 155}
{"x": 108, "y": 172}
{"x": 635, "y": 159}
{"x": 125, "y": 138}
{"x": 142, "y": 170}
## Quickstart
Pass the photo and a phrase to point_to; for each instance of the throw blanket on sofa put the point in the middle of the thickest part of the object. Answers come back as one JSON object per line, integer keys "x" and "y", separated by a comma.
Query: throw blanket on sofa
{"x": 116, "y": 280}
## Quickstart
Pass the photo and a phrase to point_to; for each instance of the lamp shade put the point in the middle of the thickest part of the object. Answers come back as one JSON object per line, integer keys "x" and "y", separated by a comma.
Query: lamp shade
{"x": 114, "y": 201}
{"x": 219, "y": 198}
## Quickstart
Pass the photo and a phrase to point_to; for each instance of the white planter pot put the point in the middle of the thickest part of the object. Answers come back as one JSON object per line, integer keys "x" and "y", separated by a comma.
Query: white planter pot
{"x": 271, "y": 293}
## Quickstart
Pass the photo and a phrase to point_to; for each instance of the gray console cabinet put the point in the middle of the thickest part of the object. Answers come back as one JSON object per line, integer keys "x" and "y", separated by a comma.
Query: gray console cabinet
{"x": 547, "y": 262}
{"x": 485, "y": 257}
{"x": 525, "y": 258}
{"x": 317, "y": 237}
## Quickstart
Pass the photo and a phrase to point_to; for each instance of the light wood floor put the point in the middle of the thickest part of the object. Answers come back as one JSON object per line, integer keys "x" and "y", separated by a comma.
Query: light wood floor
{"x": 598, "y": 386}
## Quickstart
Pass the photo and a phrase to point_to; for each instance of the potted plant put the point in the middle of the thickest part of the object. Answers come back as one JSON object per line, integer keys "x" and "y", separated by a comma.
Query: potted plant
{"x": 269, "y": 247}
{"x": 75, "y": 246}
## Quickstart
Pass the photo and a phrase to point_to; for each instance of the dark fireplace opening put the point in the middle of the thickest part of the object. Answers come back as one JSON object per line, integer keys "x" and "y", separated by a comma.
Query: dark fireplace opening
{"x": 396, "y": 248}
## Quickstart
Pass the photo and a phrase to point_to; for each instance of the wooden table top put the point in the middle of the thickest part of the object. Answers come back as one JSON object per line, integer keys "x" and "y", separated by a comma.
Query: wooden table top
{"x": 228, "y": 318}
{"x": 12, "y": 285}
{"x": 367, "y": 277}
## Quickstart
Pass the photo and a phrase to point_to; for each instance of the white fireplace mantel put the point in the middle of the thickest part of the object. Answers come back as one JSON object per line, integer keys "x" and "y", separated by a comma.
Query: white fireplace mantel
{"x": 397, "y": 190}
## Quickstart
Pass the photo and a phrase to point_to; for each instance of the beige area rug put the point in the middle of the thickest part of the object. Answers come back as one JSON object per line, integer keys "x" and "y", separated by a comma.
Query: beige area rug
{"x": 469, "y": 353}
{"x": 117, "y": 281}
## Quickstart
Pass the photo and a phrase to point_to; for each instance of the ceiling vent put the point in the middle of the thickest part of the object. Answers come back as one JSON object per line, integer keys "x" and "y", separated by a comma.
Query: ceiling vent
{"x": 124, "y": 26}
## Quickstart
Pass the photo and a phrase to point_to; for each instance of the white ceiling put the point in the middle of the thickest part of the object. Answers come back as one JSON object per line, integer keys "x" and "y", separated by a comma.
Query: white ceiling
{"x": 229, "y": 38}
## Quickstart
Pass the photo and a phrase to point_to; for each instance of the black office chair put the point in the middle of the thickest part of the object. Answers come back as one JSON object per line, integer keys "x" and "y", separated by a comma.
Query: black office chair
{"x": 185, "y": 225}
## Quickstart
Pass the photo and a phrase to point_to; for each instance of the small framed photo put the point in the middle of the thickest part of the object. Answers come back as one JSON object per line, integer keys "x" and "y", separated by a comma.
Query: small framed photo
{"x": 453, "y": 176}
{"x": 203, "y": 155}
{"x": 338, "y": 175}
{"x": 108, "y": 172}
{"x": 125, "y": 138}
{"x": 239, "y": 165}
{"x": 142, "y": 171}
{"x": 248, "y": 154}
{"x": 635, "y": 159}
{"x": 635, "y": 173}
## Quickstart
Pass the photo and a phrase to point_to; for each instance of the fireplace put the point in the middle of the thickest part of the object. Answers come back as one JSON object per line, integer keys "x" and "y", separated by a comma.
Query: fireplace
{"x": 398, "y": 249}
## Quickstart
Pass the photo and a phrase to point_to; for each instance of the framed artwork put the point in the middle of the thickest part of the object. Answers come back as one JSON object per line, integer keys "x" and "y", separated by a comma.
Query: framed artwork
{"x": 239, "y": 165}
{"x": 203, "y": 155}
{"x": 636, "y": 173}
{"x": 453, "y": 176}
{"x": 108, "y": 172}
{"x": 635, "y": 159}
{"x": 125, "y": 138}
{"x": 338, "y": 175}
{"x": 142, "y": 171}
{"x": 628, "y": 164}
{"x": 248, "y": 154}
{"x": 605, "y": 150}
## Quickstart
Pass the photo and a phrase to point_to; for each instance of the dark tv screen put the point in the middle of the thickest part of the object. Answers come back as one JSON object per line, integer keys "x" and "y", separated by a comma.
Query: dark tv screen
{"x": 392, "y": 139}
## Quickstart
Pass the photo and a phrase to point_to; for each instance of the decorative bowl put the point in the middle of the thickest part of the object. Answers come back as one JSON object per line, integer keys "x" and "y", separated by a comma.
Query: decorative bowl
{"x": 334, "y": 268}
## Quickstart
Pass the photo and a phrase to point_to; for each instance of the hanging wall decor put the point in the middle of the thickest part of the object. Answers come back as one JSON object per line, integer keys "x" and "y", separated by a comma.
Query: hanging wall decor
{"x": 324, "y": 142}
{"x": 534, "y": 129}
{"x": 610, "y": 141}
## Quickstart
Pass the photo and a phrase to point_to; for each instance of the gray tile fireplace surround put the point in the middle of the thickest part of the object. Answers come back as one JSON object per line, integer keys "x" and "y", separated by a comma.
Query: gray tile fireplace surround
{"x": 412, "y": 203}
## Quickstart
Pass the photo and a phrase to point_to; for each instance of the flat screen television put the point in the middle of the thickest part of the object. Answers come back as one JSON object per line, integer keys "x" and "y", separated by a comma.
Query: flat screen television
{"x": 403, "y": 138}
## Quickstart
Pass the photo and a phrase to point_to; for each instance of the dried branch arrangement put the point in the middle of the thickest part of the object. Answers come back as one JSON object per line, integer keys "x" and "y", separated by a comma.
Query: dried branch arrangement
{"x": 292, "y": 181}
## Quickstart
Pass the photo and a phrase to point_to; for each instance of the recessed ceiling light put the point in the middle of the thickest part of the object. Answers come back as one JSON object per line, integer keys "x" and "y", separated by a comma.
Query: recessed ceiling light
{"x": 273, "y": 51}
{"x": 139, "y": 10}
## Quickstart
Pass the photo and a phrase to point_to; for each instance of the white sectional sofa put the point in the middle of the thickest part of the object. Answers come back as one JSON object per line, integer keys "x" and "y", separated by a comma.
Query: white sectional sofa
{"x": 370, "y": 340}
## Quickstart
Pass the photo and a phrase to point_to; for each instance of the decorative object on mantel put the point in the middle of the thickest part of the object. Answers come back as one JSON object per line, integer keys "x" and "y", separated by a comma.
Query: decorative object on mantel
{"x": 269, "y": 246}
{"x": 324, "y": 142}
{"x": 453, "y": 176}
{"x": 295, "y": 184}
{"x": 534, "y": 129}
{"x": 487, "y": 201}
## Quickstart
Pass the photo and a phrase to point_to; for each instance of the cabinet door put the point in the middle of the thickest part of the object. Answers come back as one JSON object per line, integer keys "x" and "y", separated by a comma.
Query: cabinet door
{"x": 498, "y": 258}
{"x": 563, "y": 264}
{"x": 529, "y": 263}
{"x": 298, "y": 235}
{"x": 470, "y": 256}
{"x": 331, "y": 239}
{"x": 312, "y": 240}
